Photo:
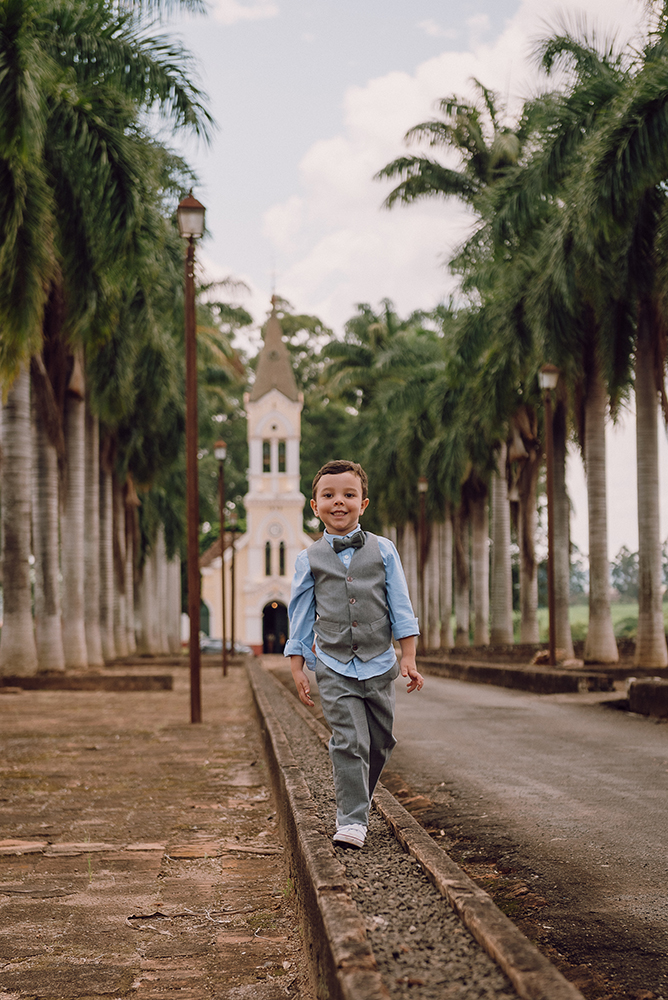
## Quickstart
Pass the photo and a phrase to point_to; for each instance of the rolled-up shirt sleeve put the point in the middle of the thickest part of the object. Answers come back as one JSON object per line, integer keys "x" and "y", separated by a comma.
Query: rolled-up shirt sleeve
{"x": 402, "y": 616}
{"x": 302, "y": 612}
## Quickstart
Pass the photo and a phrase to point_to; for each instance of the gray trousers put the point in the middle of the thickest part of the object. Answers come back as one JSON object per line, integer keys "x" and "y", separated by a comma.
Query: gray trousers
{"x": 360, "y": 715}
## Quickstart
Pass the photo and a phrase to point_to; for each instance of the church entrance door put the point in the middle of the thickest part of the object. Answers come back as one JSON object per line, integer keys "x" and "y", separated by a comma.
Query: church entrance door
{"x": 274, "y": 627}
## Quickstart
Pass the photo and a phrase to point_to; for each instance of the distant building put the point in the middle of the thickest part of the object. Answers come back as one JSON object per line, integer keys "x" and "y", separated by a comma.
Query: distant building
{"x": 264, "y": 556}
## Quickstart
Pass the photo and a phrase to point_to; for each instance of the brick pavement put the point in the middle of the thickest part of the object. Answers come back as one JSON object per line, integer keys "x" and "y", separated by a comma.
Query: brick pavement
{"x": 140, "y": 855}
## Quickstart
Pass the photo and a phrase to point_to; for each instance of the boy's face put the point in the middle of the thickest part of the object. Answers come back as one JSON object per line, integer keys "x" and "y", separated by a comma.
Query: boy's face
{"x": 338, "y": 502}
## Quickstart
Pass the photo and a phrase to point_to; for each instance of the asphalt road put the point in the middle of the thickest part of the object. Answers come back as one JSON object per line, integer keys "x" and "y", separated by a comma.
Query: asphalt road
{"x": 568, "y": 794}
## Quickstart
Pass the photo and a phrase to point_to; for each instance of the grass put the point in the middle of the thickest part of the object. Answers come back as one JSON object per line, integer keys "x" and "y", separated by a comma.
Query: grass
{"x": 624, "y": 620}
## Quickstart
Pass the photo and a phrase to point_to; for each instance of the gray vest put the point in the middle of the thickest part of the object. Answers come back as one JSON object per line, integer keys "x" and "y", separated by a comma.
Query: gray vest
{"x": 351, "y": 604}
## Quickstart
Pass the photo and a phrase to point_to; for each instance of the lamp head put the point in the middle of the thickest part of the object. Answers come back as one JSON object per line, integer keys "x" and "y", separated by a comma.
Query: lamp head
{"x": 423, "y": 484}
{"x": 190, "y": 215}
{"x": 548, "y": 377}
{"x": 220, "y": 450}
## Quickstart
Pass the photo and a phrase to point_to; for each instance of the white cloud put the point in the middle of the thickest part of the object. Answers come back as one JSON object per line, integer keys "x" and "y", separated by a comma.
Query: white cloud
{"x": 335, "y": 244}
{"x": 232, "y": 11}
{"x": 434, "y": 29}
{"x": 479, "y": 25}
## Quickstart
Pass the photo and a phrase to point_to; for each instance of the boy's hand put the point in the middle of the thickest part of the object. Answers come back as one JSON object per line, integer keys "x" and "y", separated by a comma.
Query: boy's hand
{"x": 407, "y": 664}
{"x": 301, "y": 680}
{"x": 409, "y": 669}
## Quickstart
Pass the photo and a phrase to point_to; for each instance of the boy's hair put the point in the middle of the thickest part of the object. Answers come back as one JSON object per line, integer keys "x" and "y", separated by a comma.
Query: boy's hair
{"x": 338, "y": 466}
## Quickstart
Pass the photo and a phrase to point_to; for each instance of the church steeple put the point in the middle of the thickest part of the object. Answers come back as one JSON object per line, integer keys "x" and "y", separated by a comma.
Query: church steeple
{"x": 274, "y": 536}
{"x": 274, "y": 367}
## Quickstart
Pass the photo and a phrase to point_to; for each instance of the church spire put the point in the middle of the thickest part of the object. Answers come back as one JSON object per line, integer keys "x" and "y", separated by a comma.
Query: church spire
{"x": 274, "y": 367}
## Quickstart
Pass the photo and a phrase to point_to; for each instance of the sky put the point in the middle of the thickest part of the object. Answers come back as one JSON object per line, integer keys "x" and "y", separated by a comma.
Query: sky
{"x": 311, "y": 99}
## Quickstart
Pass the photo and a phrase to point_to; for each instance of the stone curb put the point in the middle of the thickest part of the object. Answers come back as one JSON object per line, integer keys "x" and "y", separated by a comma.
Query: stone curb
{"x": 534, "y": 679}
{"x": 649, "y": 696}
{"x": 532, "y": 975}
{"x": 89, "y": 682}
{"x": 340, "y": 957}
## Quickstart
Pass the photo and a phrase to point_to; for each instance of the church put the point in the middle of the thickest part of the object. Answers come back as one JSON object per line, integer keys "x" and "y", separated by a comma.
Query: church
{"x": 259, "y": 567}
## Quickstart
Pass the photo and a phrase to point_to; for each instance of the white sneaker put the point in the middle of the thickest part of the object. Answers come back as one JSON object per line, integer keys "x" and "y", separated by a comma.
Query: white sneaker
{"x": 352, "y": 835}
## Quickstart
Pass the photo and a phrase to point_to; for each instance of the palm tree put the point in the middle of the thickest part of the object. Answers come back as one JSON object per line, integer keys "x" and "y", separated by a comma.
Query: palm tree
{"x": 480, "y": 565}
{"x": 624, "y": 182}
{"x": 106, "y": 551}
{"x": 72, "y": 524}
{"x": 460, "y": 531}
{"x": 541, "y": 205}
{"x": 18, "y": 653}
{"x": 486, "y": 147}
{"x": 489, "y": 152}
{"x": 92, "y": 541}
{"x": 562, "y": 561}
{"x": 45, "y": 519}
{"x": 501, "y": 625}
{"x": 72, "y": 167}
{"x": 444, "y": 534}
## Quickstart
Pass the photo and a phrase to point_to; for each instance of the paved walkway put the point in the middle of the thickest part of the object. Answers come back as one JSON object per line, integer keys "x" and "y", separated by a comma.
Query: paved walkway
{"x": 139, "y": 855}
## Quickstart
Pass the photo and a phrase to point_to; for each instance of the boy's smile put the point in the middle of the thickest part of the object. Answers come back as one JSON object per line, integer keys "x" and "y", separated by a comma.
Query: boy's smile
{"x": 338, "y": 502}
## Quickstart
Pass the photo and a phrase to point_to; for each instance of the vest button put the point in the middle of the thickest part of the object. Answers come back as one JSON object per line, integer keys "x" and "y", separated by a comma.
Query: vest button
{"x": 354, "y": 624}
{"x": 354, "y": 647}
{"x": 352, "y": 600}
{"x": 349, "y": 579}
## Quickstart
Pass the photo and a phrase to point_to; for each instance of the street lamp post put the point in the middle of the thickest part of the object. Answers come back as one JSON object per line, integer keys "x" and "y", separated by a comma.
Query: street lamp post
{"x": 220, "y": 451}
{"x": 190, "y": 214}
{"x": 233, "y": 529}
{"x": 423, "y": 486}
{"x": 547, "y": 379}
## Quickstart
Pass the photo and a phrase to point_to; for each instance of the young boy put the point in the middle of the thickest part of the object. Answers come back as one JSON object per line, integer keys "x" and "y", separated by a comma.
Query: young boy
{"x": 349, "y": 589}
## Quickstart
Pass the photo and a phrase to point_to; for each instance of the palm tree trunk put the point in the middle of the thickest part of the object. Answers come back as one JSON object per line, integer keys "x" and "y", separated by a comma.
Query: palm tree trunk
{"x": 174, "y": 626}
{"x": 651, "y": 639}
{"x": 92, "y": 549}
{"x": 107, "y": 560}
{"x": 501, "y": 632}
{"x": 161, "y": 603}
{"x": 155, "y": 599}
{"x": 408, "y": 552}
{"x": 45, "y": 533}
{"x": 130, "y": 579}
{"x": 144, "y": 597}
{"x": 480, "y": 569}
{"x": 120, "y": 611}
{"x": 600, "y": 646}
{"x": 431, "y": 581}
{"x": 445, "y": 580}
{"x": 460, "y": 525}
{"x": 72, "y": 534}
{"x": 562, "y": 541}
{"x": 18, "y": 652}
{"x": 527, "y": 522}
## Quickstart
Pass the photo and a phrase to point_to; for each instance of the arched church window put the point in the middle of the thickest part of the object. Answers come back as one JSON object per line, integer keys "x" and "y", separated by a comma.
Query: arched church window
{"x": 266, "y": 456}
{"x": 281, "y": 456}
{"x": 267, "y": 559}
{"x": 281, "y": 559}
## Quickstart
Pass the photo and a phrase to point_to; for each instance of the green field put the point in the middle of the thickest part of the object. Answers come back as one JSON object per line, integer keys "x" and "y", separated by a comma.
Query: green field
{"x": 624, "y": 620}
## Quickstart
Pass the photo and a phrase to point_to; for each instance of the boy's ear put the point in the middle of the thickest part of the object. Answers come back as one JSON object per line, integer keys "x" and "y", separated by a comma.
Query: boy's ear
{"x": 365, "y": 504}
{"x": 314, "y": 507}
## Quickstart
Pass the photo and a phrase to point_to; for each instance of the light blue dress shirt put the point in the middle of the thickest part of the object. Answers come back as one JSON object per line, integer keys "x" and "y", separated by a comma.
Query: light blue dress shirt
{"x": 302, "y": 612}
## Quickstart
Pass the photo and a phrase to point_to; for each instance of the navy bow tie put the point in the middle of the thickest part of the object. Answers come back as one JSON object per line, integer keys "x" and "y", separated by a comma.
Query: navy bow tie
{"x": 355, "y": 541}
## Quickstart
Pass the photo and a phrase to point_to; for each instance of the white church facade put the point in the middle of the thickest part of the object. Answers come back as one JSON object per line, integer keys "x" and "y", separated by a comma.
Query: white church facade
{"x": 259, "y": 569}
